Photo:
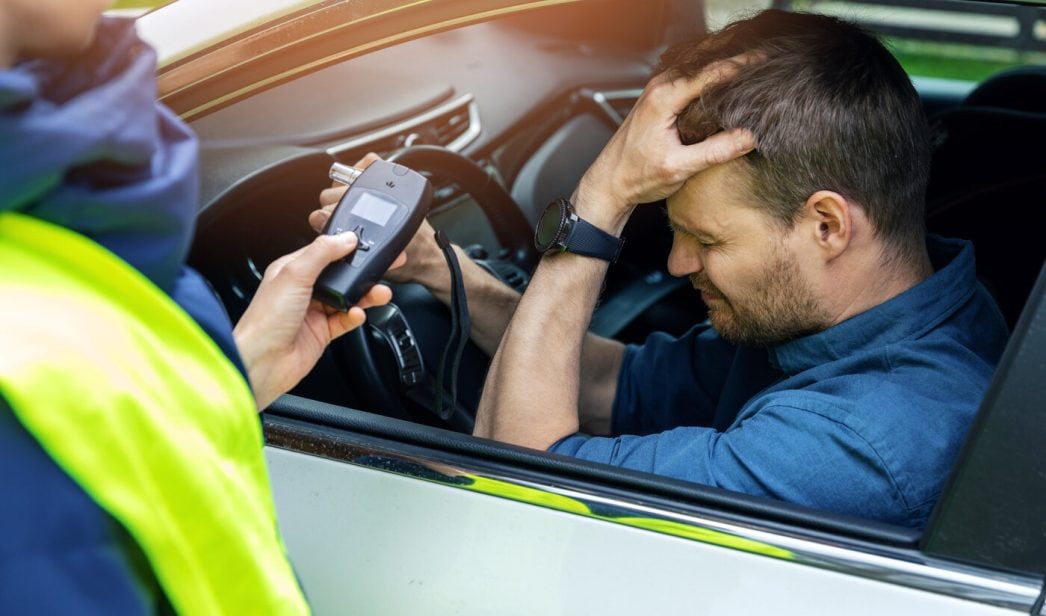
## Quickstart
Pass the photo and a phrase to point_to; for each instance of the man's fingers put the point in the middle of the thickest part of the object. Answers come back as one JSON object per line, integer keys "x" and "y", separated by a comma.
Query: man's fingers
{"x": 365, "y": 162}
{"x": 400, "y": 261}
{"x": 307, "y": 263}
{"x": 717, "y": 149}
{"x": 318, "y": 218}
{"x": 679, "y": 92}
{"x": 331, "y": 196}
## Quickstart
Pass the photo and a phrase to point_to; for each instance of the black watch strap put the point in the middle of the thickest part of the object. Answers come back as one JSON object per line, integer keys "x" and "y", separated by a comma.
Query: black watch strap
{"x": 560, "y": 228}
{"x": 586, "y": 239}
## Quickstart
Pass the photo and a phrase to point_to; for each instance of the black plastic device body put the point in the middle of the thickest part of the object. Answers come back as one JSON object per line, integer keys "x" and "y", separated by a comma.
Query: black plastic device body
{"x": 384, "y": 207}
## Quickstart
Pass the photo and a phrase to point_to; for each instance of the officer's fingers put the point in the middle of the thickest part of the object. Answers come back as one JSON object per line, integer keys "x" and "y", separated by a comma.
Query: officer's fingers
{"x": 339, "y": 323}
{"x": 379, "y": 295}
{"x": 276, "y": 266}
{"x": 717, "y": 149}
{"x": 308, "y": 262}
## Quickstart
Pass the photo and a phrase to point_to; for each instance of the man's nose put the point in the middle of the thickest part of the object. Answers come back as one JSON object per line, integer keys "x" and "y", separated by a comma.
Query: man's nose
{"x": 683, "y": 261}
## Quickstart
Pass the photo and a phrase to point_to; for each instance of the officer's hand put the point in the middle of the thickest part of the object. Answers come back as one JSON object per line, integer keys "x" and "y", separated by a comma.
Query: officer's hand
{"x": 645, "y": 161}
{"x": 284, "y": 330}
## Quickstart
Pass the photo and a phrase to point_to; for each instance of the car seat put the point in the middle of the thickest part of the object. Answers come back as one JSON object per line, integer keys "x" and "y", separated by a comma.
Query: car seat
{"x": 988, "y": 181}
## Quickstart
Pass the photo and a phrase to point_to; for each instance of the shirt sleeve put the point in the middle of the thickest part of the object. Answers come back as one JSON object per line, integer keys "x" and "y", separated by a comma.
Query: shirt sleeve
{"x": 783, "y": 452}
{"x": 669, "y": 382}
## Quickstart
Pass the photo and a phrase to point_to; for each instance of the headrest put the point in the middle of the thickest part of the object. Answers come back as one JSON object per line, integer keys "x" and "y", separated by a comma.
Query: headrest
{"x": 1020, "y": 89}
{"x": 980, "y": 146}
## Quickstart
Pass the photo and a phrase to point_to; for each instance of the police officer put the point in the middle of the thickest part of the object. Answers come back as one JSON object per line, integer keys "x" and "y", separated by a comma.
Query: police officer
{"x": 129, "y": 437}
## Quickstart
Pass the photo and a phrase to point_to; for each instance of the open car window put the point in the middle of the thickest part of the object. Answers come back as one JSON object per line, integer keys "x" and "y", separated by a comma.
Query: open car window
{"x": 945, "y": 39}
{"x": 530, "y": 97}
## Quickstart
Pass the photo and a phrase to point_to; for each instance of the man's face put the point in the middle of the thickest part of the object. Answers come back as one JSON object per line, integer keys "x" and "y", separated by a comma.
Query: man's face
{"x": 744, "y": 264}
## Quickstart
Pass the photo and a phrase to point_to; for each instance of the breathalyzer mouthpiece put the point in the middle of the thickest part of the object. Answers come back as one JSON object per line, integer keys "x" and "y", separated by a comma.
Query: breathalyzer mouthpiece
{"x": 344, "y": 173}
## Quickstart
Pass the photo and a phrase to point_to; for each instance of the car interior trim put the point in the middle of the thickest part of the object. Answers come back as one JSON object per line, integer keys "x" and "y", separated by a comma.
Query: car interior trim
{"x": 604, "y": 101}
{"x": 905, "y": 568}
{"x": 205, "y": 83}
{"x": 407, "y": 127}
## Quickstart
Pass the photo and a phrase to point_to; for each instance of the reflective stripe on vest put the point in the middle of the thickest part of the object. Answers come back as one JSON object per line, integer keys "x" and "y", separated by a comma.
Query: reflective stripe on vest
{"x": 141, "y": 408}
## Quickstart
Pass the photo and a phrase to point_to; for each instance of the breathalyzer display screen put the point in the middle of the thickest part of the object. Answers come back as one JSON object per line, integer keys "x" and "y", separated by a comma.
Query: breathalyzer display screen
{"x": 374, "y": 209}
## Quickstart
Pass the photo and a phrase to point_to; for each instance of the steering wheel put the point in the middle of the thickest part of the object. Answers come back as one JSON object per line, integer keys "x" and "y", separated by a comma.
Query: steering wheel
{"x": 391, "y": 361}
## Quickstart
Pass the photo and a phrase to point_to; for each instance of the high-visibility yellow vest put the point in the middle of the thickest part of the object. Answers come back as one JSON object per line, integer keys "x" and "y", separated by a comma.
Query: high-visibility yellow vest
{"x": 140, "y": 407}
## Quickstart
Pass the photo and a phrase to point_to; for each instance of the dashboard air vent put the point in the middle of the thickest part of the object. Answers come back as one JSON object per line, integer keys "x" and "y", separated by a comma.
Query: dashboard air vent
{"x": 453, "y": 125}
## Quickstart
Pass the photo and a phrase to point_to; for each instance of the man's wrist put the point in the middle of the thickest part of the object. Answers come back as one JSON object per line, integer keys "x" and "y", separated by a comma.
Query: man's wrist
{"x": 601, "y": 209}
{"x": 434, "y": 273}
{"x": 606, "y": 219}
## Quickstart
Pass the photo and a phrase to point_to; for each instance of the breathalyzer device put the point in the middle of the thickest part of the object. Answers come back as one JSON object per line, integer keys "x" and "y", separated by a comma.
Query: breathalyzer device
{"x": 384, "y": 207}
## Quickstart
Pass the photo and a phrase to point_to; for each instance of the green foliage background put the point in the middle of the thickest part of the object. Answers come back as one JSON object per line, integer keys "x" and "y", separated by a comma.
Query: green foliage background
{"x": 138, "y": 4}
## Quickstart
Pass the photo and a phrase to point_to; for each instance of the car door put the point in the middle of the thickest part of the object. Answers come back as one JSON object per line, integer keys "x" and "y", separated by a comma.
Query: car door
{"x": 384, "y": 515}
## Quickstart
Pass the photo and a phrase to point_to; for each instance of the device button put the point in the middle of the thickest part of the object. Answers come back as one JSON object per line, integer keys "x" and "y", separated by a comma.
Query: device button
{"x": 362, "y": 243}
{"x": 399, "y": 170}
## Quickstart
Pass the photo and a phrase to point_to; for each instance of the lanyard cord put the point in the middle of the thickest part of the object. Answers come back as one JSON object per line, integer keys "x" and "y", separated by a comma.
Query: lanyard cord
{"x": 460, "y": 329}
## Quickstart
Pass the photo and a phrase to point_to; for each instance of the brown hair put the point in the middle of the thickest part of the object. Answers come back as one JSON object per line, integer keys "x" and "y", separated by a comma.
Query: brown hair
{"x": 831, "y": 109}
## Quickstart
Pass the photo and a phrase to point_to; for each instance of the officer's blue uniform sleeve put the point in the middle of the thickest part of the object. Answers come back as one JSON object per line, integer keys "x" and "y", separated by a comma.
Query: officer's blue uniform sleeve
{"x": 670, "y": 382}
{"x": 779, "y": 451}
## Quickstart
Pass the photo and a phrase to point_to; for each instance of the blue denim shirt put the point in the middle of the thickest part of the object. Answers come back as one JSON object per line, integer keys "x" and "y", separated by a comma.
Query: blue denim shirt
{"x": 864, "y": 418}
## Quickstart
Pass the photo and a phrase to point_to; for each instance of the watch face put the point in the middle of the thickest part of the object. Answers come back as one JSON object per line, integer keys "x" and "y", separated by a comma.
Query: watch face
{"x": 548, "y": 227}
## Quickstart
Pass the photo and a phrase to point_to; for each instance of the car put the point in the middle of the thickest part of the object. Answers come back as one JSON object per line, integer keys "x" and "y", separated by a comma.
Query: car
{"x": 387, "y": 506}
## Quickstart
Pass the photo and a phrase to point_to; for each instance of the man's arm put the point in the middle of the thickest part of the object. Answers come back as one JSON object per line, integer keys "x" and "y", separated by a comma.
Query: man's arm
{"x": 491, "y": 306}
{"x": 533, "y": 388}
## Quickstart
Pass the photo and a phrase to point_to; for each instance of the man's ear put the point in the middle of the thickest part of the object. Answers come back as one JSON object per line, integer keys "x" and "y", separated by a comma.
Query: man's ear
{"x": 829, "y": 219}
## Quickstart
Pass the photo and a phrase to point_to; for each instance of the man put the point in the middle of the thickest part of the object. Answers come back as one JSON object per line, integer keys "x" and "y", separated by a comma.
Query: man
{"x": 845, "y": 354}
{"x": 129, "y": 436}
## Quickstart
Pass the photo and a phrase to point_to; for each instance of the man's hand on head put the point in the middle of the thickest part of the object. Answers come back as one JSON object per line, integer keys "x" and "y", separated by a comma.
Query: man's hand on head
{"x": 645, "y": 161}
{"x": 533, "y": 392}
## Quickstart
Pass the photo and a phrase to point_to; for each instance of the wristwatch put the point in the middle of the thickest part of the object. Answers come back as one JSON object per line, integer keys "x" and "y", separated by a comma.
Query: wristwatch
{"x": 560, "y": 229}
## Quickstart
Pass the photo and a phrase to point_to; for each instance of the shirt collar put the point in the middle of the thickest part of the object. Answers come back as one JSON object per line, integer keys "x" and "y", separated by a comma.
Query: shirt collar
{"x": 907, "y": 315}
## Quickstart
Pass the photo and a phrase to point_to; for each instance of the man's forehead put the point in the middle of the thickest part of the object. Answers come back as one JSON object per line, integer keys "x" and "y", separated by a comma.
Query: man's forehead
{"x": 681, "y": 209}
{"x": 714, "y": 201}
{"x": 688, "y": 213}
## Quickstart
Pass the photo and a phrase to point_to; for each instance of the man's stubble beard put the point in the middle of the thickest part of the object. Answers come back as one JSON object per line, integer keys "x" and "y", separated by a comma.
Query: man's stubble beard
{"x": 783, "y": 307}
